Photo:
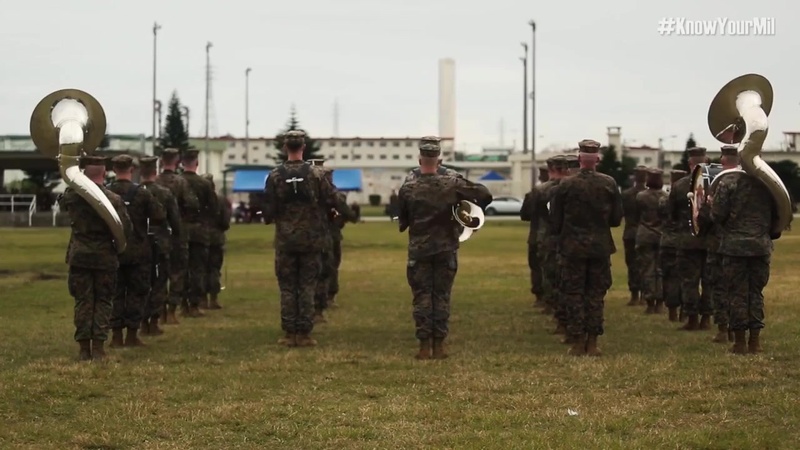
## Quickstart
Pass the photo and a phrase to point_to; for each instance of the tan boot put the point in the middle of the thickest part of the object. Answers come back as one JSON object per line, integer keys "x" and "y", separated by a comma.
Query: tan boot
{"x": 172, "y": 319}
{"x": 116, "y": 338}
{"x": 98, "y": 352}
{"x": 144, "y": 328}
{"x": 85, "y": 353}
{"x": 634, "y": 298}
{"x": 560, "y": 329}
{"x": 304, "y": 340}
{"x": 692, "y": 325}
{"x": 569, "y": 340}
{"x": 131, "y": 340}
{"x": 424, "y": 349}
{"x": 203, "y": 303}
{"x": 578, "y": 346}
{"x": 673, "y": 314}
{"x": 538, "y": 303}
{"x": 681, "y": 316}
{"x": 195, "y": 312}
{"x": 332, "y": 302}
{"x": 642, "y": 301}
{"x": 184, "y": 307}
{"x": 438, "y": 349}
{"x": 154, "y": 329}
{"x": 319, "y": 317}
{"x": 722, "y": 334}
{"x": 651, "y": 307}
{"x": 754, "y": 343}
{"x": 705, "y": 322}
{"x": 740, "y": 343}
{"x": 163, "y": 315}
{"x": 288, "y": 340}
{"x": 659, "y": 307}
{"x": 214, "y": 302}
{"x": 591, "y": 346}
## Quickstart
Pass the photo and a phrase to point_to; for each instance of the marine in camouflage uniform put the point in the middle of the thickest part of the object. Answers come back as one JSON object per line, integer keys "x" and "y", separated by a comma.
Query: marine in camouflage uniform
{"x": 668, "y": 253}
{"x": 691, "y": 260}
{"x": 198, "y": 229}
{"x": 161, "y": 235}
{"x": 525, "y": 213}
{"x": 297, "y": 198}
{"x": 216, "y": 248}
{"x": 730, "y": 160}
{"x": 133, "y": 276}
{"x": 648, "y": 240}
{"x": 745, "y": 211}
{"x": 583, "y": 209}
{"x": 573, "y": 165}
{"x": 93, "y": 262}
{"x": 336, "y": 224}
{"x": 629, "y": 205}
{"x": 189, "y": 208}
{"x": 325, "y": 256}
{"x": 425, "y": 206}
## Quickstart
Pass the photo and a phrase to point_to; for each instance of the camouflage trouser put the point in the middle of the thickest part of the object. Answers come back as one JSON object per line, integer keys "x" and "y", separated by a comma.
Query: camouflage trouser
{"x": 549, "y": 271}
{"x": 536, "y": 269}
{"x": 323, "y": 282}
{"x": 133, "y": 289}
{"x": 297, "y": 280}
{"x": 198, "y": 265}
{"x": 333, "y": 283}
{"x": 670, "y": 277}
{"x": 431, "y": 280}
{"x": 216, "y": 253}
{"x": 93, "y": 291}
{"x": 692, "y": 269}
{"x": 745, "y": 278}
{"x": 631, "y": 262}
{"x": 177, "y": 272}
{"x": 158, "y": 290}
{"x": 650, "y": 272}
{"x": 552, "y": 271}
{"x": 584, "y": 283}
{"x": 716, "y": 288}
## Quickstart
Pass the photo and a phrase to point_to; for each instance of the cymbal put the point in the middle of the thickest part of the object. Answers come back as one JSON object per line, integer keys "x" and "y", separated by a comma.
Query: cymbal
{"x": 723, "y": 113}
{"x": 45, "y": 134}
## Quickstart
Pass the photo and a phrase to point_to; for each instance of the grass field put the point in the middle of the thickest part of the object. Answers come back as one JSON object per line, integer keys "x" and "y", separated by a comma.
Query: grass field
{"x": 222, "y": 382}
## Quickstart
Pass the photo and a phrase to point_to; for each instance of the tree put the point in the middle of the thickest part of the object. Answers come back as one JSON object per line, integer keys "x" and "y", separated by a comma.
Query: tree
{"x": 312, "y": 146}
{"x": 684, "y": 164}
{"x": 41, "y": 183}
{"x": 619, "y": 170}
{"x": 789, "y": 172}
{"x": 175, "y": 134}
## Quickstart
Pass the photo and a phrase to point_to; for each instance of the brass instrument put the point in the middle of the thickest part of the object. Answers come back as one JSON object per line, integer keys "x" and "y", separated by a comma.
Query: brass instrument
{"x": 738, "y": 115}
{"x": 66, "y": 125}
{"x": 470, "y": 216}
{"x": 703, "y": 177}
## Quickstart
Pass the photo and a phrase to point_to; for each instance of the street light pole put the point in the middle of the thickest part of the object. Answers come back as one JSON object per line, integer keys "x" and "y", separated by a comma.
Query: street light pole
{"x": 208, "y": 99}
{"x": 185, "y": 113}
{"x": 247, "y": 116}
{"x": 156, "y": 27}
{"x": 533, "y": 93}
{"x": 524, "y": 60}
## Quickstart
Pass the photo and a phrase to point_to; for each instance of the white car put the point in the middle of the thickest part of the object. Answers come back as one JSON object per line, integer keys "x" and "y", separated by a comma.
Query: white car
{"x": 503, "y": 206}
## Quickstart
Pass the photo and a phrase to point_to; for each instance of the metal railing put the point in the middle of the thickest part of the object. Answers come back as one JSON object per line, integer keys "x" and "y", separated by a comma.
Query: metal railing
{"x": 17, "y": 202}
{"x": 31, "y": 211}
{"x": 56, "y": 210}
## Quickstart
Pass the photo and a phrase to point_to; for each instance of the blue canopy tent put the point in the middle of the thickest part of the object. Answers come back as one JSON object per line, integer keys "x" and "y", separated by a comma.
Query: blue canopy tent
{"x": 492, "y": 176}
{"x": 346, "y": 180}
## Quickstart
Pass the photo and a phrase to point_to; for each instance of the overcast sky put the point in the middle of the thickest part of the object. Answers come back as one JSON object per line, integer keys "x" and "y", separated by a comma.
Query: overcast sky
{"x": 599, "y": 63}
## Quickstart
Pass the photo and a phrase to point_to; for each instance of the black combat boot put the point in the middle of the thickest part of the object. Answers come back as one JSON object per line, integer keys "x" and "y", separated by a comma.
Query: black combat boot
{"x": 85, "y": 353}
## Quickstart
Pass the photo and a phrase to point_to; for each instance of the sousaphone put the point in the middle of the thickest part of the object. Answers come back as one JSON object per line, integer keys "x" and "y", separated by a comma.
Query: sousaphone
{"x": 470, "y": 216}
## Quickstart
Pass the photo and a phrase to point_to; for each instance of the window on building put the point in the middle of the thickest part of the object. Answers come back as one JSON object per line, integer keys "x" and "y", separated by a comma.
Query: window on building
{"x": 395, "y": 156}
{"x": 370, "y": 144}
{"x": 648, "y": 160}
{"x": 382, "y": 144}
{"x": 255, "y": 161}
{"x": 255, "y": 147}
{"x": 409, "y": 156}
{"x": 345, "y": 156}
{"x": 356, "y": 156}
{"x": 231, "y": 156}
{"x": 232, "y": 144}
{"x": 395, "y": 144}
{"x": 345, "y": 144}
{"x": 332, "y": 143}
{"x": 370, "y": 156}
{"x": 357, "y": 144}
{"x": 383, "y": 156}
{"x": 409, "y": 143}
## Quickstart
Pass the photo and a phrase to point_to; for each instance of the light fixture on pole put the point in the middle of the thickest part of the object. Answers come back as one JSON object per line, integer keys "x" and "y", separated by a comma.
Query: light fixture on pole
{"x": 247, "y": 115}
{"x": 208, "y": 99}
{"x": 524, "y": 60}
{"x": 156, "y": 27}
{"x": 533, "y": 94}
{"x": 185, "y": 116}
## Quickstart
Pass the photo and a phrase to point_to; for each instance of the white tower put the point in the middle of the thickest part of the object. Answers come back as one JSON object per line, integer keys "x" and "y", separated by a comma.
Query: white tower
{"x": 447, "y": 98}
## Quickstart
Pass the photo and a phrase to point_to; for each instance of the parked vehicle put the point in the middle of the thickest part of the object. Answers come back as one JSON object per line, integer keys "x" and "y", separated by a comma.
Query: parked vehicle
{"x": 504, "y": 206}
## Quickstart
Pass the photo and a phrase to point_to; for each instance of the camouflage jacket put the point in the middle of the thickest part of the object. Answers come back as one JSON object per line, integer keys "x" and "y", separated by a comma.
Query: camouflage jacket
{"x": 526, "y": 213}
{"x": 91, "y": 243}
{"x": 301, "y": 220}
{"x": 648, "y": 216}
{"x": 416, "y": 173}
{"x": 337, "y": 222}
{"x": 142, "y": 207}
{"x": 745, "y": 212}
{"x": 425, "y": 206}
{"x": 545, "y": 192}
{"x": 188, "y": 204}
{"x": 629, "y": 205}
{"x": 680, "y": 211}
{"x": 669, "y": 227}
{"x": 583, "y": 209}
{"x": 165, "y": 231}
{"x": 222, "y": 222}
{"x": 198, "y": 227}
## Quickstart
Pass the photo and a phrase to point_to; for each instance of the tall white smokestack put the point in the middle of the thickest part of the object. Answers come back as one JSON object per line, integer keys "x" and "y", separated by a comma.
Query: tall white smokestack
{"x": 447, "y": 98}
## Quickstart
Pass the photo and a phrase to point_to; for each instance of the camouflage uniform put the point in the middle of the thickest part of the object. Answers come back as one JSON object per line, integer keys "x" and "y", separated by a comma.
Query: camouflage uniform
{"x": 745, "y": 212}
{"x": 198, "y": 229}
{"x": 534, "y": 260}
{"x": 93, "y": 263}
{"x": 133, "y": 276}
{"x": 161, "y": 235}
{"x": 583, "y": 209}
{"x": 668, "y": 253}
{"x": 629, "y": 205}
{"x": 648, "y": 240}
{"x": 425, "y": 210}
{"x": 336, "y": 225}
{"x": 189, "y": 208}
{"x": 691, "y": 258}
{"x": 547, "y": 244}
{"x": 415, "y": 173}
{"x": 296, "y": 197}
{"x": 216, "y": 248}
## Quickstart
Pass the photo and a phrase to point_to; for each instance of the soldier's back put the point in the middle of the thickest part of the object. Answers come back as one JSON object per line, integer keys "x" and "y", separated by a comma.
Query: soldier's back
{"x": 187, "y": 202}
{"x": 91, "y": 243}
{"x": 681, "y": 212}
{"x": 138, "y": 202}
{"x": 629, "y": 207}
{"x": 648, "y": 204}
{"x": 746, "y": 230}
{"x": 541, "y": 215}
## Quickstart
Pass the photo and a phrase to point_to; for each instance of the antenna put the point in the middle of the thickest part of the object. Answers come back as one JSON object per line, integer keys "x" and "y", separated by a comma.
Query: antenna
{"x": 336, "y": 117}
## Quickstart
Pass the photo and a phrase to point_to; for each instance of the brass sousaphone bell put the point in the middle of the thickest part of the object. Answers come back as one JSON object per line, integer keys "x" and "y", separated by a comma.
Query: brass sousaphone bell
{"x": 470, "y": 216}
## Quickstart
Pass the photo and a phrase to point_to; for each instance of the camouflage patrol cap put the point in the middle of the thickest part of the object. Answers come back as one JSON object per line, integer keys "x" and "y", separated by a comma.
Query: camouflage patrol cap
{"x": 572, "y": 161}
{"x": 641, "y": 169}
{"x": 294, "y": 136}
{"x": 696, "y": 152}
{"x": 317, "y": 162}
{"x": 676, "y": 175}
{"x": 122, "y": 162}
{"x": 93, "y": 161}
{"x": 589, "y": 146}
{"x": 190, "y": 154}
{"x": 148, "y": 163}
{"x": 430, "y": 146}
{"x": 170, "y": 151}
{"x": 655, "y": 177}
{"x": 729, "y": 150}
{"x": 640, "y": 173}
{"x": 560, "y": 162}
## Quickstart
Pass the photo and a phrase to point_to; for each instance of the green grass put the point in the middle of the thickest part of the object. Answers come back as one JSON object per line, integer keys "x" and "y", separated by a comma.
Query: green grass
{"x": 222, "y": 381}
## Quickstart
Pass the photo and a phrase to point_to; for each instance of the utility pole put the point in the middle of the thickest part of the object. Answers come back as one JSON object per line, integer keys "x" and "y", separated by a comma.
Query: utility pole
{"x": 533, "y": 94}
{"x": 156, "y": 27}
{"x": 247, "y": 116}
{"x": 524, "y": 60}
{"x": 208, "y": 99}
